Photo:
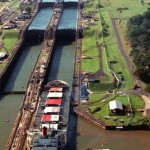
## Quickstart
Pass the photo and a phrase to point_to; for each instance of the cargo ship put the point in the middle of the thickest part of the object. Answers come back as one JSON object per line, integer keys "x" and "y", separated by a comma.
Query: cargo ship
{"x": 49, "y": 131}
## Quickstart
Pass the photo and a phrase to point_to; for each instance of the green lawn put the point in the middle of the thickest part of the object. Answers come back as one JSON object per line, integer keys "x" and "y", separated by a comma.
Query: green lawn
{"x": 110, "y": 53}
{"x": 137, "y": 102}
{"x": 113, "y": 54}
{"x": 98, "y": 100}
{"x": 105, "y": 112}
{"x": 101, "y": 87}
{"x": 9, "y": 38}
{"x": 14, "y": 4}
{"x": 134, "y": 7}
{"x": 89, "y": 47}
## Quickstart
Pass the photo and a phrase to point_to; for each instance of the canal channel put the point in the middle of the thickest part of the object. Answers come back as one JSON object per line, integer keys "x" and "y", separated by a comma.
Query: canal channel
{"x": 18, "y": 79}
{"x": 82, "y": 135}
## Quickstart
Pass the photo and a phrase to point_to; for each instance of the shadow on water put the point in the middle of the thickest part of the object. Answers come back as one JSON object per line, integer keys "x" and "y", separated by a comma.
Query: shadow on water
{"x": 19, "y": 75}
{"x": 55, "y": 62}
{"x": 72, "y": 131}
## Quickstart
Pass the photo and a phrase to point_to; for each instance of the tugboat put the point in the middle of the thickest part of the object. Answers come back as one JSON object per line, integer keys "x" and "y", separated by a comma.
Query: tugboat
{"x": 51, "y": 122}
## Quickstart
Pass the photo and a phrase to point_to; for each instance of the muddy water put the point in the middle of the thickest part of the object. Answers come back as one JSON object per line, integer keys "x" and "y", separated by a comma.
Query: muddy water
{"x": 90, "y": 136}
{"x": 9, "y": 107}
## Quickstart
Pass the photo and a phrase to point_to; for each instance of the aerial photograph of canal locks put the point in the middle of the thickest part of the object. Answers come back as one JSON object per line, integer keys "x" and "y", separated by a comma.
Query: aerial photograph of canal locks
{"x": 74, "y": 74}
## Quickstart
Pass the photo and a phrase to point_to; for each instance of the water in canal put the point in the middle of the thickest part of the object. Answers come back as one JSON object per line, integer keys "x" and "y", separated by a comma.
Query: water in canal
{"x": 21, "y": 73}
{"x": 90, "y": 136}
{"x": 61, "y": 67}
{"x": 40, "y": 22}
{"x": 9, "y": 106}
{"x": 68, "y": 19}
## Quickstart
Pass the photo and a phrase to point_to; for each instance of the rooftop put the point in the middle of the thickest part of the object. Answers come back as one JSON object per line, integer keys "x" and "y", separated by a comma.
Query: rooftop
{"x": 115, "y": 105}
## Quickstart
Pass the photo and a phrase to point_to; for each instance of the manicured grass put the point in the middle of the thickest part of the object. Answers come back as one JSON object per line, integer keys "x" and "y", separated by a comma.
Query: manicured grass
{"x": 137, "y": 102}
{"x": 9, "y": 38}
{"x": 90, "y": 65}
{"x": 113, "y": 54}
{"x": 134, "y": 7}
{"x": 105, "y": 112}
{"x": 101, "y": 87}
{"x": 96, "y": 97}
{"x": 99, "y": 101}
{"x": 14, "y": 5}
{"x": 123, "y": 100}
{"x": 89, "y": 47}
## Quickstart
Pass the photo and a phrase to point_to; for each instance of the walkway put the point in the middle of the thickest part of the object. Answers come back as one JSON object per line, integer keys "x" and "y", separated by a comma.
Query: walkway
{"x": 139, "y": 91}
{"x": 147, "y": 105}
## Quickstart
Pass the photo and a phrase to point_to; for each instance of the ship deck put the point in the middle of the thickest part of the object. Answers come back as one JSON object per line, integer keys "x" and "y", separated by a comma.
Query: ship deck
{"x": 64, "y": 111}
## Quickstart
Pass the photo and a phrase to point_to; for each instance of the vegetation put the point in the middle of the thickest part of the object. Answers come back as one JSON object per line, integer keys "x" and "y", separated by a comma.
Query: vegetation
{"x": 9, "y": 38}
{"x": 136, "y": 102}
{"x": 98, "y": 106}
{"x": 138, "y": 120}
{"x": 128, "y": 8}
{"x": 103, "y": 33}
{"x": 139, "y": 34}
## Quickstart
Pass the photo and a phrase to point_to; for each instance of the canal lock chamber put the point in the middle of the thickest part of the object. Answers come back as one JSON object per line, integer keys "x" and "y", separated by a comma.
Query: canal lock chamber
{"x": 18, "y": 74}
{"x": 15, "y": 79}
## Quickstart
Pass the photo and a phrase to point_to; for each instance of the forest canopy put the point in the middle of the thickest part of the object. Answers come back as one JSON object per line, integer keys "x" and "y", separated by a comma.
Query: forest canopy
{"x": 138, "y": 29}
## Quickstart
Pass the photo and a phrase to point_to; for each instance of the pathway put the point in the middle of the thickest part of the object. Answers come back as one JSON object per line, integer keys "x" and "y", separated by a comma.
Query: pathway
{"x": 140, "y": 91}
{"x": 147, "y": 105}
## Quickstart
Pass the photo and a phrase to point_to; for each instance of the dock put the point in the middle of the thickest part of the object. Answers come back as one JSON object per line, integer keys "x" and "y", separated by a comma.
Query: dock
{"x": 85, "y": 115}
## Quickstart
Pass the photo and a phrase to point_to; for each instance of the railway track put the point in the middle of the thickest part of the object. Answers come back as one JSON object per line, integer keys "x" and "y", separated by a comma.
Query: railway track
{"x": 28, "y": 109}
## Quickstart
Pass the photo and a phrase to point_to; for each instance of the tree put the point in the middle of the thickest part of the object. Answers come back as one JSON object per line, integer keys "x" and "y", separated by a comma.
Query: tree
{"x": 138, "y": 29}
